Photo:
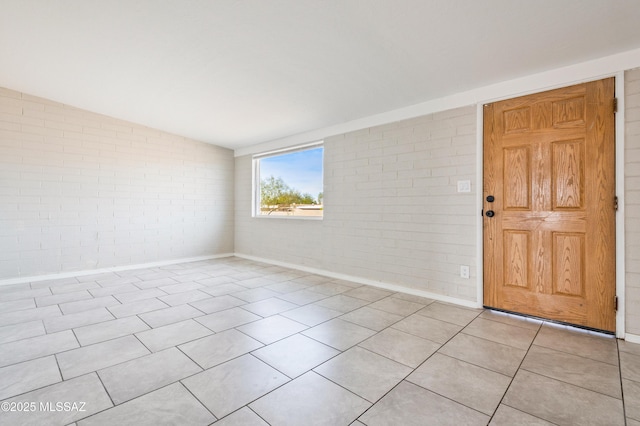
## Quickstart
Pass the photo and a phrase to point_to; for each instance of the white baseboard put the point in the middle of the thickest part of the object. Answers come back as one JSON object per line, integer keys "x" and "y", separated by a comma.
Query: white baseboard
{"x": 379, "y": 284}
{"x": 71, "y": 274}
{"x": 632, "y": 338}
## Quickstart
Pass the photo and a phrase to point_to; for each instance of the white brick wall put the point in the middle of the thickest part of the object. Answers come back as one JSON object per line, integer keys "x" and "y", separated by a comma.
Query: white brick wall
{"x": 632, "y": 200}
{"x": 81, "y": 191}
{"x": 392, "y": 211}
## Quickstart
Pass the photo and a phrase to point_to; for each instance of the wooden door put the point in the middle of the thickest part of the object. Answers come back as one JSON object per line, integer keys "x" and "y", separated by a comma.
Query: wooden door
{"x": 549, "y": 164}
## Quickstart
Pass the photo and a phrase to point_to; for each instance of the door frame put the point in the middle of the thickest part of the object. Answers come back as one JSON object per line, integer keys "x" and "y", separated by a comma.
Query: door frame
{"x": 619, "y": 176}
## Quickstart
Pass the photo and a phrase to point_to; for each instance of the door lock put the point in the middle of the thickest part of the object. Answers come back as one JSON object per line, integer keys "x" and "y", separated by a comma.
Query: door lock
{"x": 490, "y": 213}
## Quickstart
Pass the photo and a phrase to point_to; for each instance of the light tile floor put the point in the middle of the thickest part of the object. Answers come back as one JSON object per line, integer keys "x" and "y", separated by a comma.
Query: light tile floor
{"x": 236, "y": 342}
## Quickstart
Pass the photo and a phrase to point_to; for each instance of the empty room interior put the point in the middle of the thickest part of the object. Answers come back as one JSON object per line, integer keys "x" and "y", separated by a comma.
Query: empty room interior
{"x": 319, "y": 212}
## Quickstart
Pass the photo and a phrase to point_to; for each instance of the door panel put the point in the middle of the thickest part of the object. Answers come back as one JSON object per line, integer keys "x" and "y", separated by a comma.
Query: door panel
{"x": 549, "y": 162}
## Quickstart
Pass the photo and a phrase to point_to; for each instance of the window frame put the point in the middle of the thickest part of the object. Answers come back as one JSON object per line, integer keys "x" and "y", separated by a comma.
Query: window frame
{"x": 255, "y": 187}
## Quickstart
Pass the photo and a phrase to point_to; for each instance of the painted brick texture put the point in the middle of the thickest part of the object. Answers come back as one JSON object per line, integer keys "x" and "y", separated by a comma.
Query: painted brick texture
{"x": 391, "y": 208}
{"x": 632, "y": 200}
{"x": 81, "y": 191}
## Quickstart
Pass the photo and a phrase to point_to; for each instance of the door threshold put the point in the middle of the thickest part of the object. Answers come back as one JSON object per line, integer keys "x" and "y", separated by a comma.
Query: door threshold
{"x": 547, "y": 320}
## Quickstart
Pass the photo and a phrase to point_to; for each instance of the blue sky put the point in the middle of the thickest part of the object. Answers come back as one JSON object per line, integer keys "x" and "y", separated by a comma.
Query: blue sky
{"x": 300, "y": 170}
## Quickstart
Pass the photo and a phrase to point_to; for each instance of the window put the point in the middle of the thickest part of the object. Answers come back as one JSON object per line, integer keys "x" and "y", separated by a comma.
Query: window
{"x": 288, "y": 183}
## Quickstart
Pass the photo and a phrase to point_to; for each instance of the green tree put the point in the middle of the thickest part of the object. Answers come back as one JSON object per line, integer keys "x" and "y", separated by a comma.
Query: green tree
{"x": 275, "y": 194}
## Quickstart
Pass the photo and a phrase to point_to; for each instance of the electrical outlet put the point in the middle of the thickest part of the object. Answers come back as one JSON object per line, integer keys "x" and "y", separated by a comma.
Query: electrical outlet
{"x": 464, "y": 271}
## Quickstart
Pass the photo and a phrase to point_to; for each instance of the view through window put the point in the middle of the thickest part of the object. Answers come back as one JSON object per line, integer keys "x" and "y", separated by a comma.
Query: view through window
{"x": 290, "y": 183}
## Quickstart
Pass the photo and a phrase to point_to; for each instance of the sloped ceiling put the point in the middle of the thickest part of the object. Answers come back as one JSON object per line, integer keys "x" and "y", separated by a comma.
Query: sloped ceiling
{"x": 241, "y": 72}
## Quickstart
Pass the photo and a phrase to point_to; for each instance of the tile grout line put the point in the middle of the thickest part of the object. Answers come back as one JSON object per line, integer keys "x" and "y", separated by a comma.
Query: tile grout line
{"x": 516, "y": 373}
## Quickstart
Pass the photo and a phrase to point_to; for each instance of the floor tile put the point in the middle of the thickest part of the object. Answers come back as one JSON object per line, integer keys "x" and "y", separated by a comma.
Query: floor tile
{"x": 229, "y": 386}
{"x": 538, "y": 395}
{"x": 411, "y": 405}
{"x": 339, "y": 334}
{"x": 413, "y": 298}
{"x": 630, "y": 366}
{"x": 295, "y": 355}
{"x": 170, "y": 315}
{"x": 498, "y": 332}
{"x": 54, "y": 282}
{"x": 118, "y": 281}
{"x": 70, "y": 288}
{"x": 110, "y": 291}
{"x": 216, "y": 304}
{"x": 402, "y": 347}
{"x": 181, "y": 288}
{"x": 84, "y": 360}
{"x": 397, "y": 306}
{"x": 173, "y": 334}
{"x": 18, "y": 317}
{"x": 216, "y": 281}
{"x": 305, "y": 401}
{"x": 368, "y": 293}
{"x": 627, "y": 347}
{"x": 67, "y": 322}
{"x": 11, "y": 333}
{"x": 268, "y": 307}
{"x": 108, "y": 330}
{"x": 171, "y": 405}
{"x": 214, "y": 350}
{"x": 27, "y": 376}
{"x": 256, "y": 282}
{"x": 145, "y": 374}
{"x": 11, "y": 288}
{"x": 286, "y": 287}
{"x": 242, "y": 417}
{"x": 56, "y": 299}
{"x": 271, "y": 329}
{"x": 631, "y": 398}
{"x": 138, "y": 307}
{"x": 17, "y": 305}
{"x": 23, "y": 294}
{"x": 371, "y": 318}
{"x": 511, "y": 319}
{"x": 36, "y": 347}
{"x": 254, "y": 295}
{"x": 427, "y": 328}
{"x": 330, "y": 289}
{"x": 473, "y": 386}
{"x": 449, "y": 313}
{"x": 485, "y": 353}
{"x": 311, "y": 315}
{"x": 578, "y": 342}
{"x": 342, "y": 303}
{"x": 221, "y": 290}
{"x": 632, "y": 422}
{"x": 584, "y": 372}
{"x": 224, "y": 320}
{"x": 182, "y": 298}
{"x": 364, "y": 373}
{"x": 507, "y": 416}
{"x": 83, "y": 393}
{"x": 155, "y": 283}
{"x": 86, "y": 305}
{"x": 303, "y": 297}
{"x": 138, "y": 295}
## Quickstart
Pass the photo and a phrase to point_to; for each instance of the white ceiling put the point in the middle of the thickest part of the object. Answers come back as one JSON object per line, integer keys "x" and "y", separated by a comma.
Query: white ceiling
{"x": 241, "y": 72}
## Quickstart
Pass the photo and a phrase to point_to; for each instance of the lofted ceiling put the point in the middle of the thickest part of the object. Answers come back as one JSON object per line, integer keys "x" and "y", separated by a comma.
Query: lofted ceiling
{"x": 240, "y": 72}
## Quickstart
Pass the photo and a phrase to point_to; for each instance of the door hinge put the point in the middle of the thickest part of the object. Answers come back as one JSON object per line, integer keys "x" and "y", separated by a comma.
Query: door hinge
{"x": 615, "y": 303}
{"x": 615, "y": 105}
{"x": 615, "y": 203}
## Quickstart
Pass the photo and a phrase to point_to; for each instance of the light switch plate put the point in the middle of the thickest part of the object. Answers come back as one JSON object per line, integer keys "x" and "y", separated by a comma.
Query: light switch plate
{"x": 464, "y": 186}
